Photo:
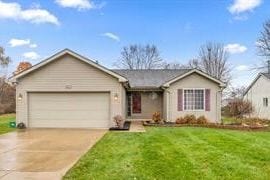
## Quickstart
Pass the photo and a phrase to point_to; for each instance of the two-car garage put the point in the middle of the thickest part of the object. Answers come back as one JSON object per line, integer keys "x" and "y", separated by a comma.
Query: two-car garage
{"x": 68, "y": 90}
{"x": 68, "y": 110}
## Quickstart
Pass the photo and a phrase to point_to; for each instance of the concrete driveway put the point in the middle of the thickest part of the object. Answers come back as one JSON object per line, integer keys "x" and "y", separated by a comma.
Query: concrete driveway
{"x": 43, "y": 153}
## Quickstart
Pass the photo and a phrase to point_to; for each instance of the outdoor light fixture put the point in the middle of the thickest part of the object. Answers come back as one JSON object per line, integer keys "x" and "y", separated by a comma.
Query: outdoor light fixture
{"x": 115, "y": 96}
{"x": 20, "y": 97}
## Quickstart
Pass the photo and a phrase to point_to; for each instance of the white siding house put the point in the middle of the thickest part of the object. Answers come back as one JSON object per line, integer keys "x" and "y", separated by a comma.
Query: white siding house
{"x": 258, "y": 93}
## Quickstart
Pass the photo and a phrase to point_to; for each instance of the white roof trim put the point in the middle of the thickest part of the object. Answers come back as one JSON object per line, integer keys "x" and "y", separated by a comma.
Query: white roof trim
{"x": 254, "y": 81}
{"x": 167, "y": 84}
{"x": 72, "y": 53}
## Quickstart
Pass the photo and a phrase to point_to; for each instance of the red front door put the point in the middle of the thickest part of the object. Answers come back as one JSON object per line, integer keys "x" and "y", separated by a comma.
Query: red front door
{"x": 136, "y": 103}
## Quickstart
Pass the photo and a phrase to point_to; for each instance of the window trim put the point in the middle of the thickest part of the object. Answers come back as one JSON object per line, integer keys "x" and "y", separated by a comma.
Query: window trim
{"x": 183, "y": 99}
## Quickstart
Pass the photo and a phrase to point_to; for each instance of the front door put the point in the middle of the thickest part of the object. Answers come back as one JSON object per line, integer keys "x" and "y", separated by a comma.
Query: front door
{"x": 136, "y": 103}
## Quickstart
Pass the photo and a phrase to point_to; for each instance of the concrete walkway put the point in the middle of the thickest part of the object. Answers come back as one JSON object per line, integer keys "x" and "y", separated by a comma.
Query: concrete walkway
{"x": 136, "y": 126}
{"x": 43, "y": 153}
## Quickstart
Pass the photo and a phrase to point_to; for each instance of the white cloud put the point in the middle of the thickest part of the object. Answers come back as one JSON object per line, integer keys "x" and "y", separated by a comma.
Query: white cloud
{"x": 242, "y": 68}
{"x": 21, "y": 42}
{"x": 240, "y": 6}
{"x": 33, "y": 15}
{"x": 111, "y": 36}
{"x": 18, "y": 42}
{"x": 38, "y": 16}
{"x": 235, "y": 48}
{"x": 79, "y": 4}
{"x": 31, "y": 55}
{"x": 33, "y": 45}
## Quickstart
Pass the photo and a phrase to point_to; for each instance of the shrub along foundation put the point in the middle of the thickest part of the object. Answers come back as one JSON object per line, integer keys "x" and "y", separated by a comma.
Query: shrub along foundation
{"x": 209, "y": 125}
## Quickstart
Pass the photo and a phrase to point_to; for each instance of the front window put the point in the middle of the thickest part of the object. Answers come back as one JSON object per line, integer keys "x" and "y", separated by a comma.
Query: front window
{"x": 265, "y": 102}
{"x": 194, "y": 99}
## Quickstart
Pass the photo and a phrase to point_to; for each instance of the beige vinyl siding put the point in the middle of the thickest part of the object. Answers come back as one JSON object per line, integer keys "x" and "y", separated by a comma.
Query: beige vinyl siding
{"x": 68, "y": 74}
{"x": 258, "y": 91}
{"x": 194, "y": 81}
{"x": 149, "y": 106}
{"x": 68, "y": 110}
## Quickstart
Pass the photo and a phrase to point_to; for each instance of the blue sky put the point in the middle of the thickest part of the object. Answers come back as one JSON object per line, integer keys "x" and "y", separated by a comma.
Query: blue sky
{"x": 34, "y": 30}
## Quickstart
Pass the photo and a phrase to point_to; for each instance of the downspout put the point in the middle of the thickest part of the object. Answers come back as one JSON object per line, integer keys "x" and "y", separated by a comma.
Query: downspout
{"x": 167, "y": 102}
{"x": 218, "y": 112}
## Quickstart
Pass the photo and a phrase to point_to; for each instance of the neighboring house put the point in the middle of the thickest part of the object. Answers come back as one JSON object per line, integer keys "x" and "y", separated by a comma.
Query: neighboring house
{"x": 258, "y": 93}
{"x": 68, "y": 90}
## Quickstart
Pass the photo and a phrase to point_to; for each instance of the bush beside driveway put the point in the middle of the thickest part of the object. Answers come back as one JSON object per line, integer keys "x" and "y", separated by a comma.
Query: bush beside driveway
{"x": 4, "y": 123}
{"x": 177, "y": 153}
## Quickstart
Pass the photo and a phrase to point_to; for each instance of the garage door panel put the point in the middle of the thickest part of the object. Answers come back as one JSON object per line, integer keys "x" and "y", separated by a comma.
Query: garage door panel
{"x": 76, "y": 116}
{"x": 58, "y": 107}
{"x": 68, "y": 110}
{"x": 73, "y": 124}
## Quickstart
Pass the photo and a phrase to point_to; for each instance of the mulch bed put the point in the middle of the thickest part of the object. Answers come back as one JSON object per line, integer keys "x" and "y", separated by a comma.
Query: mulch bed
{"x": 210, "y": 125}
{"x": 125, "y": 128}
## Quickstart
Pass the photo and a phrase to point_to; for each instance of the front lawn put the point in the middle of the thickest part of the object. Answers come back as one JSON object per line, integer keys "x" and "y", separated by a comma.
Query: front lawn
{"x": 4, "y": 123}
{"x": 177, "y": 153}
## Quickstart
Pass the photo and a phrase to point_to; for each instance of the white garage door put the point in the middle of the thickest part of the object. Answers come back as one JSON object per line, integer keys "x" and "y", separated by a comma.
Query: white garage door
{"x": 69, "y": 110}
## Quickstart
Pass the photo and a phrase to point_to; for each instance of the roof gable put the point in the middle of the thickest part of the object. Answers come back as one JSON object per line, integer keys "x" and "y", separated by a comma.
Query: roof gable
{"x": 71, "y": 53}
{"x": 265, "y": 75}
{"x": 168, "y": 83}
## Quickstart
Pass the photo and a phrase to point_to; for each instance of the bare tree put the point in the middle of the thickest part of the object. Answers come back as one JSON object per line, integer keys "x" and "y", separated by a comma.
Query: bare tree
{"x": 236, "y": 92}
{"x": 263, "y": 43}
{"x": 7, "y": 92}
{"x": 140, "y": 57}
{"x": 174, "y": 65}
{"x": 194, "y": 63}
{"x": 213, "y": 59}
{"x": 263, "y": 47}
{"x": 239, "y": 108}
{"x": 7, "y": 97}
{"x": 4, "y": 60}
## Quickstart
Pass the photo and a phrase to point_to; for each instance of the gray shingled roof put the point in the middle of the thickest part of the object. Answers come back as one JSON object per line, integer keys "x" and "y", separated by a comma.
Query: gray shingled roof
{"x": 150, "y": 78}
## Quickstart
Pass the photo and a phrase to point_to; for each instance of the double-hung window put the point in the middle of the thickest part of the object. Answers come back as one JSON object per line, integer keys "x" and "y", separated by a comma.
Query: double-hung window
{"x": 194, "y": 99}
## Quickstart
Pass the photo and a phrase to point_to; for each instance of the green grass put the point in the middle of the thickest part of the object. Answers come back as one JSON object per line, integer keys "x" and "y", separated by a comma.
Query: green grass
{"x": 4, "y": 123}
{"x": 177, "y": 153}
